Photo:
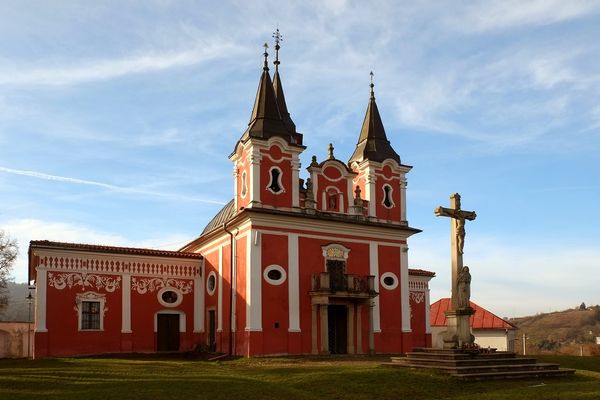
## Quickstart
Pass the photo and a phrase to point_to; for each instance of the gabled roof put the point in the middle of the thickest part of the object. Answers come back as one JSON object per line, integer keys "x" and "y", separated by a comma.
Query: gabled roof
{"x": 47, "y": 244}
{"x": 482, "y": 319}
{"x": 372, "y": 143}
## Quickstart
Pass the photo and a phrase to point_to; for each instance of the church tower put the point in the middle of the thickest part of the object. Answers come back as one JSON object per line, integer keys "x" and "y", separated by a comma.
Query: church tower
{"x": 381, "y": 175}
{"x": 266, "y": 158}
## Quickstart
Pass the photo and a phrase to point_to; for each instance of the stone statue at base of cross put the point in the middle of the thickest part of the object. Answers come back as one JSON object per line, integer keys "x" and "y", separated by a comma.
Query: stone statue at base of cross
{"x": 458, "y": 330}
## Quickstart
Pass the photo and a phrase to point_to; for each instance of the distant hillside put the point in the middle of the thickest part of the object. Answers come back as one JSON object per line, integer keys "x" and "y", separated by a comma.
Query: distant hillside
{"x": 561, "y": 331}
{"x": 17, "y": 309}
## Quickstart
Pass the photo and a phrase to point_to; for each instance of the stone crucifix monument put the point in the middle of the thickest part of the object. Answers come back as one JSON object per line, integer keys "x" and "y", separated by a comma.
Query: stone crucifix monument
{"x": 458, "y": 330}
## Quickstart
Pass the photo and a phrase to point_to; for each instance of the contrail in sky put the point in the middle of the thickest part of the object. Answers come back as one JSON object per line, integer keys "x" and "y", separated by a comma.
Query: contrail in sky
{"x": 77, "y": 181}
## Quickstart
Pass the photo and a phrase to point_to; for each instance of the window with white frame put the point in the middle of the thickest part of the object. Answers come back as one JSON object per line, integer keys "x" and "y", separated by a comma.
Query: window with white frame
{"x": 90, "y": 307}
{"x": 275, "y": 186}
{"x": 387, "y": 196}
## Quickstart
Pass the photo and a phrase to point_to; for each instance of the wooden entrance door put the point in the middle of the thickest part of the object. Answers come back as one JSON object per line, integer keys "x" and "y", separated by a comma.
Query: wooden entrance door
{"x": 212, "y": 331}
{"x": 167, "y": 332}
{"x": 337, "y": 318}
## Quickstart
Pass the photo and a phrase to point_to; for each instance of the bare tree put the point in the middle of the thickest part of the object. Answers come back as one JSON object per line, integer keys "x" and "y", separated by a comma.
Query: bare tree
{"x": 8, "y": 253}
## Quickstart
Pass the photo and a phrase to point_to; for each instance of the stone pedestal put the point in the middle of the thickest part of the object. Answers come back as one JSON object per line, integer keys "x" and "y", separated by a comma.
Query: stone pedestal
{"x": 458, "y": 328}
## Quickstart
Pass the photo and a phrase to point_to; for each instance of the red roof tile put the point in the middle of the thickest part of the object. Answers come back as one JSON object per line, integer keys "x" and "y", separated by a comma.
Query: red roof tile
{"x": 482, "y": 319}
{"x": 420, "y": 272}
{"x": 113, "y": 249}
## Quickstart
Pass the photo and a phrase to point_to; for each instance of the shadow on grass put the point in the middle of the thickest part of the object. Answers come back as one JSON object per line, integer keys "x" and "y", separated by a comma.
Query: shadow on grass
{"x": 284, "y": 378}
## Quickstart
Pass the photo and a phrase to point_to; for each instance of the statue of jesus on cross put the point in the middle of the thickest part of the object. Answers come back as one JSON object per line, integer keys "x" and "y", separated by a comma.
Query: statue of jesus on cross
{"x": 458, "y": 315}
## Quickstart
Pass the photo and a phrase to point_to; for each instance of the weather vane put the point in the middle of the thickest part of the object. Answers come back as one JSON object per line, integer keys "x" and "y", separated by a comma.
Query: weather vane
{"x": 372, "y": 85}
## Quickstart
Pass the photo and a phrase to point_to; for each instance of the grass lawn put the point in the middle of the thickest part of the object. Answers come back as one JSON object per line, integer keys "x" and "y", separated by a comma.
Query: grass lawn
{"x": 277, "y": 378}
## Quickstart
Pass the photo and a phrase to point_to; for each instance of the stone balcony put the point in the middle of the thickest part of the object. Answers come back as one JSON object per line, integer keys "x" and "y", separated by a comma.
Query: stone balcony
{"x": 348, "y": 286}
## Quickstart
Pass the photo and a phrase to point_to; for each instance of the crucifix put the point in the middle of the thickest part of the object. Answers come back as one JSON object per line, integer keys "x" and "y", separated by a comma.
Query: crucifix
{"x": 460, "y": 310}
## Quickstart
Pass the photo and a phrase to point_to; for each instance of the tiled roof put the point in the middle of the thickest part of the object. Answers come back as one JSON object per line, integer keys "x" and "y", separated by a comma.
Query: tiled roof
{"x": 482, "y": 319}
{"x": 224, "y": 215}
{"x": 113, "y": 249}
{"x": 420, "y": 272}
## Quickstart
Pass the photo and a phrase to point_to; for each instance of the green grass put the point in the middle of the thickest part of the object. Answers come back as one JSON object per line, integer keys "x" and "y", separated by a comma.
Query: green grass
{"x": 277, "y": 378}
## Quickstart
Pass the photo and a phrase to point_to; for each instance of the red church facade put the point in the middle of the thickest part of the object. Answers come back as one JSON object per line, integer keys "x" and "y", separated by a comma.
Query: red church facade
{"x": 288, "y": 266}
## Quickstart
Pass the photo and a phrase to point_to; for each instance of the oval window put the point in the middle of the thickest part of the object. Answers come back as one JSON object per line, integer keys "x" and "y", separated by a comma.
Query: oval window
{"x": 274, "y": 274}
{"x": 170, "y": 297}
{"x": 389, "y": 281}
{"x": 211, "y": 283}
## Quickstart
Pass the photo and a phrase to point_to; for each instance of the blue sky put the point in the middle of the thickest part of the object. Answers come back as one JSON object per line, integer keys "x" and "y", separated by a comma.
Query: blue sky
{"x": 117, "y": 118}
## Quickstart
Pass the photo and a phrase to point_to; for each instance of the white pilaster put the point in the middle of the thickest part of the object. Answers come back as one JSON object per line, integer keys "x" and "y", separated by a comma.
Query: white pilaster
{"x": 370, "y": 192}
{"x": 40, "y": 299}
{"x": 350, "y": 196}
{"x": 404, "y": 289}
{"x": 253, "y": 282}
{"x": 220, "y": 293}
{"x": 126, "y": 304}
{"x": 427, "y": 310}
{"x": 199, "y": 300}
{"x": 235, "y": 185}
{"x": 295, "y": 181}
{"x": 255, "y": 177}
{"x": 293, "y": 284}
{"x": 374, "y": 270}
{"x": 403, "y": 184}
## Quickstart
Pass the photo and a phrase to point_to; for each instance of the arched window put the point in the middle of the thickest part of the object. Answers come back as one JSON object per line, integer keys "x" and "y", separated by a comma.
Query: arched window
{"x": 387, "y": 196}
{"x": 275, "y": 186}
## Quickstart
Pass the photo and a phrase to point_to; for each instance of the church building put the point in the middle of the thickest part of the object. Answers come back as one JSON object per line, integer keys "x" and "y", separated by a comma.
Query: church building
{"x": 288, "y": 266}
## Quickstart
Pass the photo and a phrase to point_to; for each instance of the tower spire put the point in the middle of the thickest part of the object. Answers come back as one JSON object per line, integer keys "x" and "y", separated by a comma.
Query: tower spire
{"x": 265, "y": 120}
{"x": 373, "y": 143}
{"x": 278, "y": 88}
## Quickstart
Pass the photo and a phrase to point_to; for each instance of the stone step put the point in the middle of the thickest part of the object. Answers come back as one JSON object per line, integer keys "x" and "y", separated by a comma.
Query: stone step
{"x": 515, "y": 374}
{"x": 440, "y": 355}
{"x": 505, "y": 368}
{"x": 465, "y": 362}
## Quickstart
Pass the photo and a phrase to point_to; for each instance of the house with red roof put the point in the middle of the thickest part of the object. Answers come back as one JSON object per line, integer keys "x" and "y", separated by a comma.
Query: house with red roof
{"x": 489, "y": 329}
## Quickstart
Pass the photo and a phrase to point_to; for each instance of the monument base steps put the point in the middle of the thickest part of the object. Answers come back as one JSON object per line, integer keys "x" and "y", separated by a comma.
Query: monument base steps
{"x": 469, "y": 365}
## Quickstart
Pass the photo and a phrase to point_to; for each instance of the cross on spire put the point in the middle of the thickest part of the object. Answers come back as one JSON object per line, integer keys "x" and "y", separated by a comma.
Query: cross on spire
{"x": 266, "y": 65}
{"x": 372, "y": 86}
{"x": 278, "y": 38}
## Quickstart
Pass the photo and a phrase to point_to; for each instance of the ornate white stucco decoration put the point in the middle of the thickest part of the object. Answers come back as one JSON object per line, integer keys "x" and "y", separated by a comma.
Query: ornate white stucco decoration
{"x": 417, "y": 297}
{"x": 143, "y": 285}
{"x": 71, "y": 279}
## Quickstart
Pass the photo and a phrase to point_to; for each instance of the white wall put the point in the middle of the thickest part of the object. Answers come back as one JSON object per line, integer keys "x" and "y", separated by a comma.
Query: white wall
{"x": 499, "y": 339}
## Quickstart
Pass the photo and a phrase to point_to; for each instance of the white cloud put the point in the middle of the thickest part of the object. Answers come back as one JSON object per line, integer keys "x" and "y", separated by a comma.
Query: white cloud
{"x": 513, "y": 279}
{"x": 486, "y": 16}
{"x": 120, "y": 189}
{"x": 102, "y": 69}
{"x": 25, "y": 230}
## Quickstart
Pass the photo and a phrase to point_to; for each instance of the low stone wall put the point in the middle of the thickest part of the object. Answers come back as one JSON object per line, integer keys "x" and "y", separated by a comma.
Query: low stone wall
{"x": 14, "y": 339}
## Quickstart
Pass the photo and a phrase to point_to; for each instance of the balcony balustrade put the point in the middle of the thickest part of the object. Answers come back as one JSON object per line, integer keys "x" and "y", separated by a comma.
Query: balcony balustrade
{"x": 343, "y": 285}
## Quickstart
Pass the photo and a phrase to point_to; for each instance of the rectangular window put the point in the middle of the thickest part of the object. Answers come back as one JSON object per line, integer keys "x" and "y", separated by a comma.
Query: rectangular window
{"x": 90, "y": 315}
